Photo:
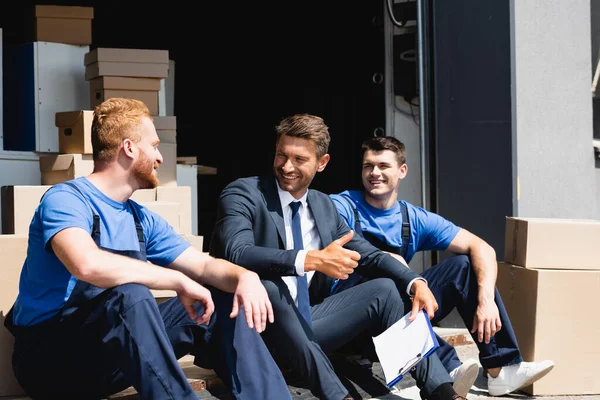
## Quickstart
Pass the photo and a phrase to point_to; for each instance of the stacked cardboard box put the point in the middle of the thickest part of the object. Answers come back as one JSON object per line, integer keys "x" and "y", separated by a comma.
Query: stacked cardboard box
{"x": 550, "y": 284}
{"x": 62, "y": 24}
{"x": 166, "y": 128}
{"x": 131, "y": 73}
{"x": 13, "y": 248}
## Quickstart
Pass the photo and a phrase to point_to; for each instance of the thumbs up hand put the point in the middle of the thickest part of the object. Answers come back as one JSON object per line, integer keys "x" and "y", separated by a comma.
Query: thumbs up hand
{"x": 334, "y": 260}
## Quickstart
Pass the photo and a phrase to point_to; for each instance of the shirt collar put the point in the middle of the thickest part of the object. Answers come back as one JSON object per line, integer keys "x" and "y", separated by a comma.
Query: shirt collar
{"x": 286, "y": 198}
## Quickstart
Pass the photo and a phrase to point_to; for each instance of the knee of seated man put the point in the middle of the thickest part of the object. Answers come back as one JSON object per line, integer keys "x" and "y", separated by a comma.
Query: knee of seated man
{"x": 461, "y": 261}
{"x": 384, "y": 287}
{"x": 131, "y": 293}
{"x": 277, "y": 291}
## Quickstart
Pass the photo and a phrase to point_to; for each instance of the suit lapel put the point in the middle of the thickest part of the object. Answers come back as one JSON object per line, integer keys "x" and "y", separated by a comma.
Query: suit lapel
{"x": 320, "y": 286}
{"x": 321, "y": 219}
{"x": 269, "y": 188}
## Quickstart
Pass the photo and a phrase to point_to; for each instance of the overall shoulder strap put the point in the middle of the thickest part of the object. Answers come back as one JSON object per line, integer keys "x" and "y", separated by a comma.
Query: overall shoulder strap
{"x": 96, "y": 224}
{"x": 405, "y": 229}
{"x": 357, "y": 226}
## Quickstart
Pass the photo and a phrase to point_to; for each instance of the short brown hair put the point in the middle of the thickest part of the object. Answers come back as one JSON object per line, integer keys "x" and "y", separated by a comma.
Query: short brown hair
{"x": 381, "y": 143}
{"x": 115, "y": 120}
{"x": 306, "y": 126}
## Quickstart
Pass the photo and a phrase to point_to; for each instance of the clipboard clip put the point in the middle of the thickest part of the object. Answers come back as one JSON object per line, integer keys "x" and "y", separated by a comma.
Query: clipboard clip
{"x": 410, "y": 364}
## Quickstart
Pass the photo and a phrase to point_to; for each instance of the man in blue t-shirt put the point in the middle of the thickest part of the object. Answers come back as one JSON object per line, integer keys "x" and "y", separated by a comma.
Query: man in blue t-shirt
{"x": 465, "y": 282}
{"x": 85, "y": 322}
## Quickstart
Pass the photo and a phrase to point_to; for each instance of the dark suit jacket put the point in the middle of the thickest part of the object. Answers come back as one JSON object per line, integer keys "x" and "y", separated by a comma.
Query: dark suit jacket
{"x": 250, "y": 232}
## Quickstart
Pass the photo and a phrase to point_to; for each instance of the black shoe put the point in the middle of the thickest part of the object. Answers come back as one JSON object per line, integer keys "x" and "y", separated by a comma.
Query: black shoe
{"x": 445, "y": 392}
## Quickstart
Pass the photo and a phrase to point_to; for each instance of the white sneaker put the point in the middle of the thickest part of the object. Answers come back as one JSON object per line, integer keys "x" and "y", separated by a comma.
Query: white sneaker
{"x": 515, "y": 377}
{"x": 465, "y": 376}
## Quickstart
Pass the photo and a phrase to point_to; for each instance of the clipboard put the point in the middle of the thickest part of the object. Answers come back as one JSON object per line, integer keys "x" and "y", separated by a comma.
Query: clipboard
{"x": 403, "y": 345}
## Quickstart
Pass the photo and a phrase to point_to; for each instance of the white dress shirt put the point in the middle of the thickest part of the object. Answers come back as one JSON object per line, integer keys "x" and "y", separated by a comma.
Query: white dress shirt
{"x": 310, "y": 238}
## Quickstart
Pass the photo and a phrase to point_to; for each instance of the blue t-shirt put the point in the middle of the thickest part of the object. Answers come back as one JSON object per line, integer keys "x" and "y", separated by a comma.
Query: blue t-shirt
{"x": 45, "y": 283}
{"x": 428, "y": 231}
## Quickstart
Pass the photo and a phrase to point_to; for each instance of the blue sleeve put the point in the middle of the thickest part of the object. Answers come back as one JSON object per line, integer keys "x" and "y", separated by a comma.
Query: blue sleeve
{"x": 432, "y": 231}
{"x": 344, "y": 209}
{"x": 163, "y": 243}
{"x": 62, "y": 209}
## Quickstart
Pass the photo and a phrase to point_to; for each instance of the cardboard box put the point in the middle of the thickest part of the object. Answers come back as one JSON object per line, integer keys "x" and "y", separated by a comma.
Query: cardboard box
{"x": 135, "y": 70}
{"x": 63, "y": 24}
{"x": 167, "y": 210}
{"x": 181, "y": 195}
{"x": 18, "y": 206}
{"x": 166, "y": 128}
{"x": 552, "y": 313}
{"x": 141, "y": 63}
{"x": 167, "y": 171}
{"x": 74, "y": 131}
{"x": 552, "y": 243}
{"x": 150, "y": 99}
{"x": 143, "y": 89}
{"x": 144, "y": 195}
{"x": 196, "y": 241}
{"x": 14, "y": 250}
{"x": 57, "y": 168}
{"x": 142, "y": 56}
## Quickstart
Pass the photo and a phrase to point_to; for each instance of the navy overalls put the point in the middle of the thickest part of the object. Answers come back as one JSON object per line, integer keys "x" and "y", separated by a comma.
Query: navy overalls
{"x": 104, "y": 340}
{"x": 454, "y": 285}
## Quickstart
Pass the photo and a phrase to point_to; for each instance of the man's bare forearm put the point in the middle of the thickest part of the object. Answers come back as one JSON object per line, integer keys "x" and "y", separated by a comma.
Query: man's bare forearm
{"x": 484, "y": 264}
{"x": 105, "y": 269}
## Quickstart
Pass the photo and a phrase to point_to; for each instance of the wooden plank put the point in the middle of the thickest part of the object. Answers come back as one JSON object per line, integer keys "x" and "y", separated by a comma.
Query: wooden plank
{"x": 131, "y": 394}
{"x": 204, "y": 170}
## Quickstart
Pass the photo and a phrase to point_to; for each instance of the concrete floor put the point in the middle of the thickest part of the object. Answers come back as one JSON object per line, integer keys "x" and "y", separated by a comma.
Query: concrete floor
{"x": 372, "y": 386}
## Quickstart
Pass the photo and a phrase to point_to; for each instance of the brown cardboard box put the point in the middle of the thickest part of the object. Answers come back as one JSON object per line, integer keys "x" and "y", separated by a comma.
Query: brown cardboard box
{"x": 165, "y": 123}
{"x": 57, "y": 168}
{"x": 552, "y": 243}
{"x": 166, "y": 128}
{"x": 63, "y": 24}
{"x": 140, "y": 63}
{"x": 144, "y": 195}
{"x": 167, "y": 171}
{"x": 143, "y": 89}
{"x": 125, "y": 83}
{"x": 144, "y": 56}
{"x": 14, "y": 250}
{"x": 181, "y": 195}
{"x": 74, "y": 131}
{"x": 18, "y": 206}
{"x": 552, "y": 313}
{"x": 150, "y": 99}
{"x": 134, "y": 70}
{"x": 196, "y": 241}
{"x": 167, "y": 210}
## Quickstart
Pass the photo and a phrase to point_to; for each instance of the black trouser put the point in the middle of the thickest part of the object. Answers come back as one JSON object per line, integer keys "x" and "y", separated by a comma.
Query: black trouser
{"x": 369, "y": 307}
{"x": 125, "y": 338}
